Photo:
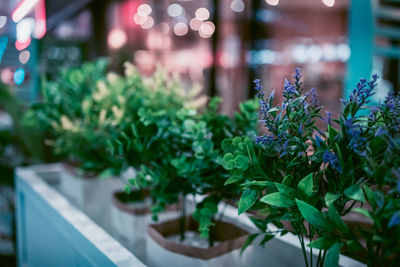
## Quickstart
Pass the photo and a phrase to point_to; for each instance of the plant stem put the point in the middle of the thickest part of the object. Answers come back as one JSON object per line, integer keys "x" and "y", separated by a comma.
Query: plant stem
{"x": 323, "y": 258}
{"x": 183, "y": 218}
{"x": 319, "y": 258}
{"x": 299, "y": 233}
{"x": 211, "y": 237}
{"x": 303, "y": 249}
{"x": 310, "y": 237}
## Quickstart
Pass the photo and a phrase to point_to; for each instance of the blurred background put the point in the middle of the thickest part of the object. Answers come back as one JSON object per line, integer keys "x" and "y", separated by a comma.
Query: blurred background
{"x": 222, "y": 44}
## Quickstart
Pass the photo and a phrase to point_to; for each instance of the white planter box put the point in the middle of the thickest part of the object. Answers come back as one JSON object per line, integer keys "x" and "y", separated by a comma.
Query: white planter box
{"x": 53, "y": 232}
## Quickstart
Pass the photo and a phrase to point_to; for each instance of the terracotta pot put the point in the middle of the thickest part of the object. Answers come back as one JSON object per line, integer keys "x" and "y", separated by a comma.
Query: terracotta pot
{"x": 226, "y": 252}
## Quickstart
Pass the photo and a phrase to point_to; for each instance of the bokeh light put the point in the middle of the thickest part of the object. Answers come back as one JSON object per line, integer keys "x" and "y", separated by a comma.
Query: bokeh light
{"x": 181, "y": 29}
{"x": 24, "y": 56}
{"x": 195, "y": 24}
{"x": 116, "y": 38}
{"x": 144, "y": 10}
{"x": 3, "y": 21}
{"x": 175, "y": 10}
{"x": 22, "y": 45}
{"x": 202, "y": 14}
{"x": 272, "y": 2}
{"x": 6, "y": 75}
{"x": 148, "y": 23}
{"x": 329, "y": 3}
{"x": 19, "y": 76}
{"x": 139, "y": 20}
{"x": 206, "y": 29}
{"x": 237, "y": 6}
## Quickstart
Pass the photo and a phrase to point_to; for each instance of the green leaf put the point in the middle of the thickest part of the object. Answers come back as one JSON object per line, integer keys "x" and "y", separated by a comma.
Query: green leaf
{"x": 127, "y": 189}
{"x": 248, "y": 241}
{"x": 332, "y": 257}
{"x": 305, "y": 186}
{"x": 330, "y": 198}
{"x": 355, "y": 192}
{"x": 288, "y": 180}
{"x": 322, "y": 243}
{"x": 312, "y": 215}
{"x": 236, "y": 140}
{"x": 268, "y": 184}
{"x": 364, "y": 212}
{"x": 337, "y": 220}
{"x": 278, "y": 199}
{"x": 227, "y": 157}
{"x": 106, "y": 174}
{"x": 285, "y": 189}
{"x": 370, "y": 196}
{"x": 290, "y": 216}
{"x": 332, "y": 134}
{"x": 230, "y": 165}
{"x": 354, "y": 245}
{"x": 233, "y": 179}
{"x": 248, "y": 198}
{"x": 259, "y": 223}
{"x": 266, "y": 239}
{"x": 241, "y": 162}
{"x": 226, "y": 144}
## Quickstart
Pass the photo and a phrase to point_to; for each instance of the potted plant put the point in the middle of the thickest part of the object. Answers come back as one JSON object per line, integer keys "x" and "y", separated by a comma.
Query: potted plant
{"x": 140, "y": 144}
{"x": 304, "y": 179}
{"x": 370, "y": 142}
{"x": 190, "y": 166}
{"x": 81, "y": 110}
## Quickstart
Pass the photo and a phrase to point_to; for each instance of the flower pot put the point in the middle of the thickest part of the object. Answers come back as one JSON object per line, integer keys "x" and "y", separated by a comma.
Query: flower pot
{"x": 90, "y": 194}
{"x": 229, "y": 239}
{"x": 130, "y": 219}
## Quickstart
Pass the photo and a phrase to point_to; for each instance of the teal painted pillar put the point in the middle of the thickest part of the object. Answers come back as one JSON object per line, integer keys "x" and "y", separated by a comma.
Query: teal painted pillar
{"x": 361, "y": 34}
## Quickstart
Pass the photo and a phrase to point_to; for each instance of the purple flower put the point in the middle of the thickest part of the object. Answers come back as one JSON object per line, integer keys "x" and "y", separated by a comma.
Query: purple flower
{"x": 318, "y": 141}
{"x": 271, "y": 139}
{"x": 313, "y": 94}
{"x": 328, "y": 118}
{"x": 265, "y": 139}
{"x": 395, "y": 220}
{"x": 363, "y": 91}
{"x": 258, "y": 87}
{"x": 332, "y": 159}
{"x": 285, "y": 149}
{"x": 392, "y": 106}
{"x": 289, "y": 90}
{"x": 356, "y": 141}
{"x": 297, "y": 78}
{"x": 264, "y": 106}
{"x": 301, "y": 129}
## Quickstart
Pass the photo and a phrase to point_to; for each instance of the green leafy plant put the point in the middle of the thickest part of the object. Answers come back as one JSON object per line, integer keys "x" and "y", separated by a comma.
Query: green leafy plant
{"x": 176, "y": 151}
{"x": 84, "y": 108}
{"x": 306, "y": 180}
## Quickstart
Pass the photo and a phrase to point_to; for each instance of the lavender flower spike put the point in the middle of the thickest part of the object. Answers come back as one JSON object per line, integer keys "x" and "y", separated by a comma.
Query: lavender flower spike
{"x": 332, "y": 159}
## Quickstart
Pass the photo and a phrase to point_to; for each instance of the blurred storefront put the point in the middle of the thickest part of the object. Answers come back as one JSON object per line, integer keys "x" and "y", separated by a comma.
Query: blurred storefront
{"x": 224, "y": 45}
